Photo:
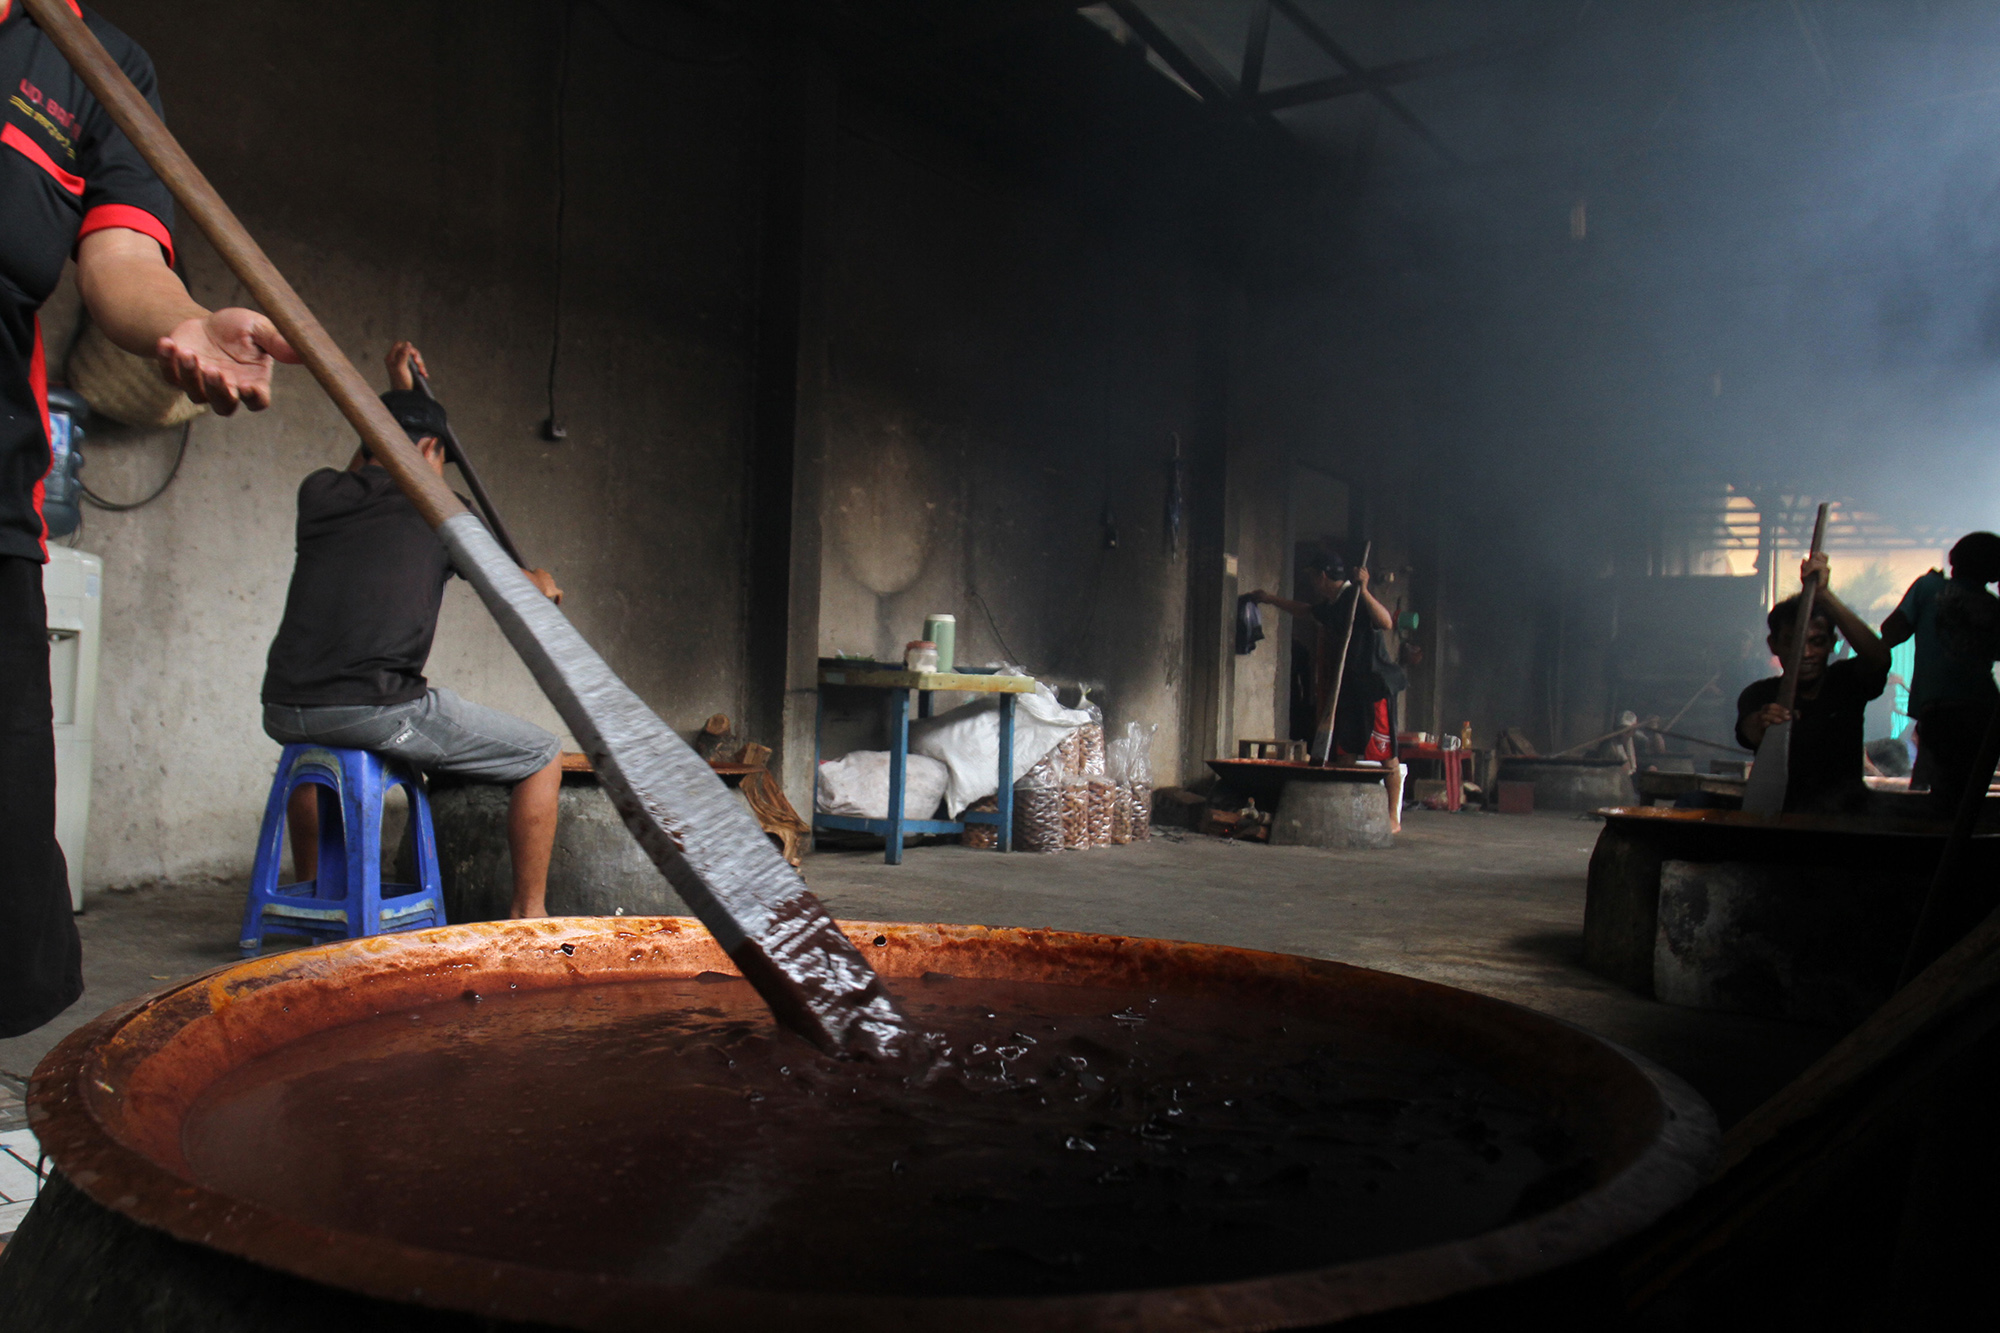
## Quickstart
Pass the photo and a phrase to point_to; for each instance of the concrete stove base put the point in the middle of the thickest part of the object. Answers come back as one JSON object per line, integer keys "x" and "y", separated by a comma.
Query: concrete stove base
{"x": 1571, "y": 784}
{"x": 597, "y": 868}
{"x": 1333, "y": 814}
{"x": 1801, "y": 917}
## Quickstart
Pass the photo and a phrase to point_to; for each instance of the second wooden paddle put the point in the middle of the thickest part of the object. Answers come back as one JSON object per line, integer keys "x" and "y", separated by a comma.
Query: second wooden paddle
{"x": 1764, "y": 794}
{"x": 1340, "y": 671}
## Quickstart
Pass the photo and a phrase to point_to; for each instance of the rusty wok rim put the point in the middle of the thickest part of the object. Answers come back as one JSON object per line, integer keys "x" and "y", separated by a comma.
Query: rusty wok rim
{"x": 1815, "y": 825}
{"x": 108, "y": 1102}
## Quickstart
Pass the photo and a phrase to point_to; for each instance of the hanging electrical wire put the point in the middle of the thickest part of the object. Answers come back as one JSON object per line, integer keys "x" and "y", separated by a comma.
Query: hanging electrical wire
{"x": 552, "y": 428}
{"x": 994, "y": 625}
{"x": 118, "y": 507}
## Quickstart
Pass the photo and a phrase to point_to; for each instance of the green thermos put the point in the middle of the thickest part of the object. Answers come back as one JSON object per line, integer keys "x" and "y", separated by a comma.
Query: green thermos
{"x": 942, "y": 630}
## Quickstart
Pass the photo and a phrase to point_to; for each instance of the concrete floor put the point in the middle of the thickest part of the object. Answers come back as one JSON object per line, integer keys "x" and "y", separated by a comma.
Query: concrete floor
{"x": 1489, "y": 902}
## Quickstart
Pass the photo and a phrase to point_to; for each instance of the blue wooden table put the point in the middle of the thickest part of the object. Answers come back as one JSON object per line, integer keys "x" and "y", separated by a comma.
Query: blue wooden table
{"x": 899, "y": 683}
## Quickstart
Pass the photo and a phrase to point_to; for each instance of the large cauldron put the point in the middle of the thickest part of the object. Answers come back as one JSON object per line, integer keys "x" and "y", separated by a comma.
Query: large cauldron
{"x": 1788, "y": 916}
{"x": 123, "y": 1238}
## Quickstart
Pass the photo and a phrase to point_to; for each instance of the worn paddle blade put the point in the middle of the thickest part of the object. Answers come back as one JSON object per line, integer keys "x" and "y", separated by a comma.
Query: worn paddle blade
{"x": 1764, "y": 793}
{"x": 691, "y": 825}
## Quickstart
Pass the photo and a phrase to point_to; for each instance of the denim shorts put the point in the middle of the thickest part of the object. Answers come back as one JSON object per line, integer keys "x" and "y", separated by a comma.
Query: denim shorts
{"x": 439, "y": 733}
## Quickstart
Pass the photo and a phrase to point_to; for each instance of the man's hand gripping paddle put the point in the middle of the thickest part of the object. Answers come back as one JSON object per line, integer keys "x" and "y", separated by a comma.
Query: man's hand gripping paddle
{"x": 454, "y": 452}
{"x": 1764, "y": 794}
{"x": 692, "y": 826}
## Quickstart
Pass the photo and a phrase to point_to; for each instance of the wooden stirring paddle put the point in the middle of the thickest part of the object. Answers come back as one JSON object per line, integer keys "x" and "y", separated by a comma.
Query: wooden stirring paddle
{"x": 691, "y": 825}
{"x": 1764, "y": 794}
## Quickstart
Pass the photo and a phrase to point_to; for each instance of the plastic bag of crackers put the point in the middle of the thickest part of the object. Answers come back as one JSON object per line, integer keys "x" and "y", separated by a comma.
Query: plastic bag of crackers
{"x": 1103, "y": 810}
{"x": 982, "y": 837}
{"x": 1076, "y": 811}
{"x": 1039, "y": 805}
{"x": 1130, "y": 764}
{"x": 1116, "y": 767}
{"x": 1090, "y": 738}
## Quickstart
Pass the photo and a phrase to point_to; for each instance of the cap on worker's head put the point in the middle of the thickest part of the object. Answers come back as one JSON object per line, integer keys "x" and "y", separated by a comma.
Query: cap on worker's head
{"x": 416, "y": 413}
{"x": 1977, "y": 555}
{"x": 1324, "y": 559}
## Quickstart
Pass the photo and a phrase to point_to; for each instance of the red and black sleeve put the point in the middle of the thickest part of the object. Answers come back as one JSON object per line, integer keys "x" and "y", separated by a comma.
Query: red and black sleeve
{"x": 120, "y": 190}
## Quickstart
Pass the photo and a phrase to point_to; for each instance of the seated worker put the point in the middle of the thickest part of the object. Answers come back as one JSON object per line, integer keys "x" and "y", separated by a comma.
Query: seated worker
{"x": 347, "y": 666}
{"x": 1956, "y": 624}
{"x": 1361, "y": 728}
{"x": 1824, "y": 776}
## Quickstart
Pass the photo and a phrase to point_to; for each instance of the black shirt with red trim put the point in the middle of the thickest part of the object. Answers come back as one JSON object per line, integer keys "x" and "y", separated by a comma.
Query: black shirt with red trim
{"x": 65, "y": 171}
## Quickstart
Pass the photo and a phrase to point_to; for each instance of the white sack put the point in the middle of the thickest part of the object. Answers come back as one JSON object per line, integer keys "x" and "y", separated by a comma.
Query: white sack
{"x": 967, "y": 739}
{"x": 858, "y": 785}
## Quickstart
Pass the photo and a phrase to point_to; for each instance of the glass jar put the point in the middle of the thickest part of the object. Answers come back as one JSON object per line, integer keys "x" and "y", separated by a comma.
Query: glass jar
{"x": 920, "y": 655}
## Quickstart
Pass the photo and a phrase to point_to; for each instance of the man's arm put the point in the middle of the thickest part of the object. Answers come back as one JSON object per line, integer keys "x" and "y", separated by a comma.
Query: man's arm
{"x": 545, "y": 584}
{"x": 220, "y": 357}
{"x": 1853, "y": 628}
{"x": 1303, "y": 610}
{"x": 1376, "y": 611}
{"x": 1902, "y": 622}
{"x": 402, "y": 361}
{"x": 1751, "y": 727}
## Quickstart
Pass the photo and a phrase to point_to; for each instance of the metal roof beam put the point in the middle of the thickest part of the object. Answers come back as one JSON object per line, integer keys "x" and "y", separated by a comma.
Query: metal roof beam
{"x": 1384, "y": 76}
{"x": 1253, "y": 49}
{"x": 1324, "y": 41}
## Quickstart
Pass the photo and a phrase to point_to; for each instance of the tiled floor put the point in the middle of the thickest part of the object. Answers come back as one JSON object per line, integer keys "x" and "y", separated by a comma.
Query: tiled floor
{"x": 18, "y": 1182}
{"x": 18, "y": 1154}
{"x": 13, "y": 1111}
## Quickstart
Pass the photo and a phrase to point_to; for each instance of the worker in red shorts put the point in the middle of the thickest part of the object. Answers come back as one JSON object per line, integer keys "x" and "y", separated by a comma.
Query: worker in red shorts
{"x": 72, "y": 185}
{"x": 1361, "y": 716}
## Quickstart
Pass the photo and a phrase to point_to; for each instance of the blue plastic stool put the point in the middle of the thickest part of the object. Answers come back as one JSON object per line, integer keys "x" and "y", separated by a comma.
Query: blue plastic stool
{"x": 348, "y": 899}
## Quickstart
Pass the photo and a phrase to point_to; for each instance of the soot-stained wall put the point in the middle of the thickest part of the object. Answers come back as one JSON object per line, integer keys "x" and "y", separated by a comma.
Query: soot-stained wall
{"x": 397, "y": 161}
{"x": 1007, "y": 373}
{"x": 1007, "y": 379}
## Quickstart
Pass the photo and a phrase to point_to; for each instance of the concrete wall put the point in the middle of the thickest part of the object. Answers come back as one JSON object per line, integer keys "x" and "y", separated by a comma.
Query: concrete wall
{"x": 1006, "y": 383}
{"x": 397, "y": 162}
{"x": 1007, "y": 374}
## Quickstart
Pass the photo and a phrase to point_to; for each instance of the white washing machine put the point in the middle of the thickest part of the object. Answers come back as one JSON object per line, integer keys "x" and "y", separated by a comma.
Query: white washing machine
{"x": 73, "y": 583}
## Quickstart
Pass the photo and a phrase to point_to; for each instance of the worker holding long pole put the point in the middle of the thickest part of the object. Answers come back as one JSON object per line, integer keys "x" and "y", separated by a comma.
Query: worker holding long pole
{"x": 1349, "y": 708}
{"x": 71, "y": 183}
{"x": 1819, "y": 702}
{"x": 346, "y": 668}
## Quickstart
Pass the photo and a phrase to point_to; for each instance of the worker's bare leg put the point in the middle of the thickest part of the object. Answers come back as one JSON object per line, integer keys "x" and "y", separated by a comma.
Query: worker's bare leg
{"x": 1395, "y": 785}
{"x": 531, "y": 837}
{"x": 302, "y": 820}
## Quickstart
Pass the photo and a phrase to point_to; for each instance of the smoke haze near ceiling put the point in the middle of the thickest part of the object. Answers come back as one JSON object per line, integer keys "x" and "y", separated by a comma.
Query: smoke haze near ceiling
{"x": 1755, "y": 244}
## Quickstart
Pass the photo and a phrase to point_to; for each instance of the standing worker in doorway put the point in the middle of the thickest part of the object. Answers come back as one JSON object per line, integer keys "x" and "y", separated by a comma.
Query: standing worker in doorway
{"x": 347, "y": 666}
{"x": 72, "y": 184}
{"x": 1362, "y": 729}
